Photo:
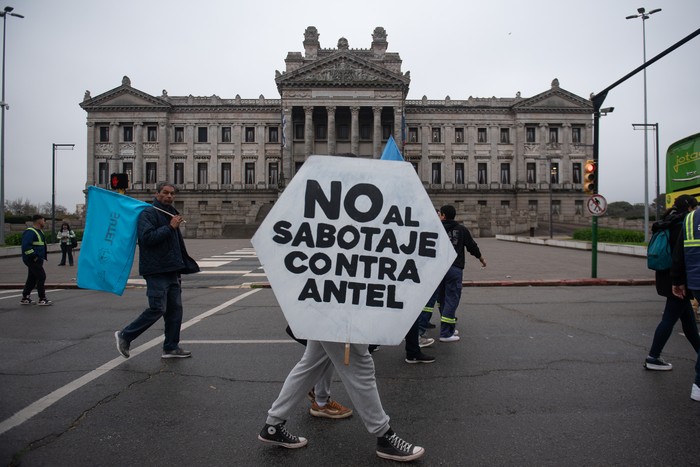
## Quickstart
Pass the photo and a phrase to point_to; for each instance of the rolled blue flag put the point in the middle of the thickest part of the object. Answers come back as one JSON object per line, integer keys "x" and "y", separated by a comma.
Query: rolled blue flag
{"x": 391, "y": 151}
{"x": 109, "y": 240}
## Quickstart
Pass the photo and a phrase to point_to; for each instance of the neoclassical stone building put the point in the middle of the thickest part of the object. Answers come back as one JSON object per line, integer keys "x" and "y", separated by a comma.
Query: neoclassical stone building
{"x": 506, "y": 163}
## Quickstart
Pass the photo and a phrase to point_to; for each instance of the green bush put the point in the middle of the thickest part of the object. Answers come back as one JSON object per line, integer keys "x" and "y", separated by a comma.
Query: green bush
{"x": 611, "y": 235}
{"x": 16, "y": 238}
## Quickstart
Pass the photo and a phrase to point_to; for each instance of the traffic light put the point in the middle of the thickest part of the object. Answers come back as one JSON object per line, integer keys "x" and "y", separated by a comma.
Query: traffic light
{"x": 119, "y": 181}
{"x": 590, "y": 174}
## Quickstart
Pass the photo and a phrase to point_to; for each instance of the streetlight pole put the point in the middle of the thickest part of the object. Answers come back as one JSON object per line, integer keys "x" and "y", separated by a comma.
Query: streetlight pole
{"x": 552, "y": 178}
{"x": 645, "y": 16}
{"x": 3, "y": 106}
{"x": 655, "y": 126}
{"x": 53, "y": 186}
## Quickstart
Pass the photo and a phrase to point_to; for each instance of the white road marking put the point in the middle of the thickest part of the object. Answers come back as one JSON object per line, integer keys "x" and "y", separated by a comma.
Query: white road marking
{"x": 48, "y": 400}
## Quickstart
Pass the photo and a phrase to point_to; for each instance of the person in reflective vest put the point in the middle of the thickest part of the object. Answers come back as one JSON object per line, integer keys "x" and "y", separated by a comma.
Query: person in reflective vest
{"x": 33, "y": 256}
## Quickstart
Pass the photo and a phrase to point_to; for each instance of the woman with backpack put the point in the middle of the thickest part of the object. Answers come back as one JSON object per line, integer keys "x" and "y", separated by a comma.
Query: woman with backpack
{"x": 676, "y": 308}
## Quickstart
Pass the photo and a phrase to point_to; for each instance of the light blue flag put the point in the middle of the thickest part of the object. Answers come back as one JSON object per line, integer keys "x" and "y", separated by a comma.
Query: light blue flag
{"x": 391, "y": 151}
{"x": 109, "y": 240}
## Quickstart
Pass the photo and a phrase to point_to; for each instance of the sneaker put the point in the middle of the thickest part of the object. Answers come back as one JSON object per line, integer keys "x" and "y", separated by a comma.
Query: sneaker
{"x": 422, "y": 358}
{"x": 177, "y": 353}
{"x": 456, "y": 333}
{"x": 425, "y": 341}
{"x": 122, "y": 344}
{"x": 390, "y": 446}
{"x": 311, "y": 395}
{"x": 332, "y": 409}
{"x": 26, "y": 301}
{"x": 658, "y": 364}
{"x": 452, "y": 338}
{"x": 44, "y": 302}
{"x": 278, "y": 434}
{"x": 695, "y": 393}
{"x": 373, "y": 348}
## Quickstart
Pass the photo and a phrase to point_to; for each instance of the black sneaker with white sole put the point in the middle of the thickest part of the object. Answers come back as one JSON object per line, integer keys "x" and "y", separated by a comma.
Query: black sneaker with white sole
{"x": 122, "y": 344}
{"x": 390, "y": 446}
{"x": 177, "y": 353}
{"x": 278, "y": 434}
{"x": 657, "y": 364}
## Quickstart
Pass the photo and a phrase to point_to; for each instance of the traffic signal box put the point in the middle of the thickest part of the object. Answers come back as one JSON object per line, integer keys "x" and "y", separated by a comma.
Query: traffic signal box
{"x": 590, "y": 175}
{"x": 119, "y": 182}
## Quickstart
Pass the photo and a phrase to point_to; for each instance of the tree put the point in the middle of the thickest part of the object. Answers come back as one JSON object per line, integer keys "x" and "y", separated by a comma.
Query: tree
{"x": 20, "y": 207}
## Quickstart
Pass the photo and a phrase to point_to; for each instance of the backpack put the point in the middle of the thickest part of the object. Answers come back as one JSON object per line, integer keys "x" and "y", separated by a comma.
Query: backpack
{"x": 659, "y": 251}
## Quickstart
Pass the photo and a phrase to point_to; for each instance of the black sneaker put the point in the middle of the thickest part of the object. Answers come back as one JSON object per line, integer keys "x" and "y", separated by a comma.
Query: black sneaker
{"x": 658, "y": 364}
{"x": 390, "y": 446}
{"x": 278, "y": 434}
{"x": 122, "y": 344}
{"x": 177, "y": 353}
{"x": 26, "y": 301}
{"x": 44, "y": 302}
{"x": 422, "y": 358}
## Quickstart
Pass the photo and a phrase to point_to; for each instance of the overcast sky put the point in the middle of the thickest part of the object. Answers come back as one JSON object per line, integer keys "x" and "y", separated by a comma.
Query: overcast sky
{"x": 458, "y": 48}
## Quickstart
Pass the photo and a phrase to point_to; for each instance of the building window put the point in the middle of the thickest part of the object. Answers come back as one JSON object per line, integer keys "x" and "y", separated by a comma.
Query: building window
{"x": 179, "y": 134}
{"x": 272, "y": 173}
{"x": 249, "y": 134}
{"x": 482, "y": 202}
{"x": 321, "y": 132}
{"x": 532, "y": 205}
{"x": 365, "y": 132}
{"x": 531, "y": 172}
{"x": 553, "y": 134}
{"x": 299, "y": 131}
{"x": 578, "y": 207}
{"x": 273, "y": 134}
{"x": 152, "y": 172}
{"x": 202, "y": 204}
{"x": 297, "y": 166}
{"x": 179, "y": 173}
{"x": 437, "y": 137}
{"x": 225, "y": 173}
{"x": 202, "y": 134}
{"x": 505, "y": 203}
{"x": 556, "y": 207}
{"x": 505, "y": 174}
{"x": 530, "y": 134}
{"x": 415, "y": 166}
{"x": 343, "y": 132}
{"x": 554, "y": 173}
{"x": 102, "y": 175}
{"x": 152, "y": 134}
{"x": 249, "y": 173}
{"x": 226, "y": 134}
{"x": 505, "y": 135}
{"x": 128, "y": 169}
{"x": 386, "y": 132}
{"x": 459, "y": 173}
{"x": 413, "y": 135}
{"x": 436, "y": 173}
{"x": 459, "y": 135}
{"x": 482, "y": 173}
{"x": 128, "y": 134}
{"x": 104, "y": 134}
{"x": 576, "y": 134}
{"x": 202, "y": 173}
{"x": 481, "y": 135}
{"x": 576, "y": 172}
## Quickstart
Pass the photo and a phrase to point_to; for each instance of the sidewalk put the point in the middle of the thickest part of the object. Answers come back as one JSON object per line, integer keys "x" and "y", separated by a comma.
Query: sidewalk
{"x": 511, "y": 261}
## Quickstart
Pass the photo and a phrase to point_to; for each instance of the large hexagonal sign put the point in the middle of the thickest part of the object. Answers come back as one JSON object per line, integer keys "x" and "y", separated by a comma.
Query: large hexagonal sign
{"x": 353, "y": 250}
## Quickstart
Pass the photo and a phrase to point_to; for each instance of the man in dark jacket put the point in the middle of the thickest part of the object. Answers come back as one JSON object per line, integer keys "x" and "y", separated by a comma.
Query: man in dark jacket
{"x": 450, "y": 289}
{"x": 33, "y": 256}
{"x": 162, "y": 258}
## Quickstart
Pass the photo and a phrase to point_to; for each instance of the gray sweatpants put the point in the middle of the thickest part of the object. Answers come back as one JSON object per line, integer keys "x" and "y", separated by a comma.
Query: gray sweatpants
{"x": 358, "y": 378}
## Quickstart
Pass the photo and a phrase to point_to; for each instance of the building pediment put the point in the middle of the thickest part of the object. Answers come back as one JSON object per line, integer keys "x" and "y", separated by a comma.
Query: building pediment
{"x": 554, "y": 99}
{"x": 342, "y": 69}
{"x": 123, "y": 98}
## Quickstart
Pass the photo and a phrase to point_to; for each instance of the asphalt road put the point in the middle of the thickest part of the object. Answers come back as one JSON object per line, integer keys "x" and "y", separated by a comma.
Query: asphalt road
{"x": 542, "y": 375}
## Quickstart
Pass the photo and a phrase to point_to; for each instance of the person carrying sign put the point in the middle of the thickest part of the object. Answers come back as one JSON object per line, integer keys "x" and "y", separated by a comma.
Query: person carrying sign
{"x": 451, "y": 286}
{"x": 33, "y": 256}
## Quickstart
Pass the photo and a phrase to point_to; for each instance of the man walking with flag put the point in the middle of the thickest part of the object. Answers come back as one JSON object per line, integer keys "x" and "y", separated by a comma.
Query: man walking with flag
{"x": 162, "y": 258}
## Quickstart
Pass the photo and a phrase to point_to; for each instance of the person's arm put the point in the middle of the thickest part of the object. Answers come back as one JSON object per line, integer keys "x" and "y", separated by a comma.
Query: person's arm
{"x": 28, "y": 246}
{"x": 472, "y": 247}
{"x": 677, "y": 272}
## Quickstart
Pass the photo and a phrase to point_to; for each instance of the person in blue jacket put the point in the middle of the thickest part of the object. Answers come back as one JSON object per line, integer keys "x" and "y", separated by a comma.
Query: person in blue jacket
{"x": 162, "y": 258}
{"x": 33, "y": 256}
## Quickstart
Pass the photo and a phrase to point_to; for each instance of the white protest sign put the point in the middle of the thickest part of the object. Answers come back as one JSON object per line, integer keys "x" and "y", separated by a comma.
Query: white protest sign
{"x": 353, "y": 249}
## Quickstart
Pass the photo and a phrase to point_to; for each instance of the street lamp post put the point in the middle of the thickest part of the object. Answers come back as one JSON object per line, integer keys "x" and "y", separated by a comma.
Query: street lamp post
{"x": 645, "y": 16}
{"x": 552, "y": 178}
{"x": 655, "y": 126}
{"x": 53, "y": 186}
{"x": 3, "y": 106}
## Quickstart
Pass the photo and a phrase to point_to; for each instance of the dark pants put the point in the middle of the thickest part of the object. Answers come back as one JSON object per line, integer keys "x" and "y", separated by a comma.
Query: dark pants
{"x": 412, "y": 347}
{"x": 164, "y": 300}
{"x": 66, "y": 249}
{"x": 36, "y": 277}
{"x": 675, "y": 309}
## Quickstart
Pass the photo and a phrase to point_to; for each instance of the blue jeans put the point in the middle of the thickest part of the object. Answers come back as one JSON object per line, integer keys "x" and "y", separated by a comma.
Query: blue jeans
{"x": 449, "y": 294}
{"x": 164, "y": 300}
{"x": 696, "y": 294}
